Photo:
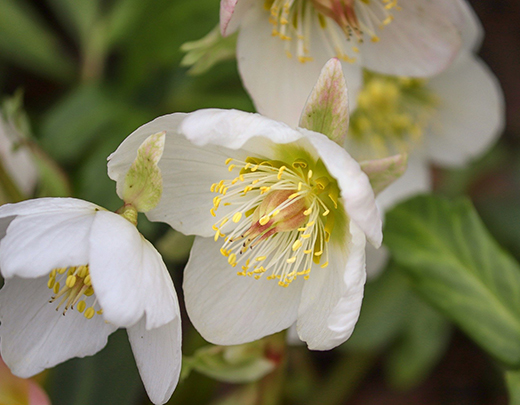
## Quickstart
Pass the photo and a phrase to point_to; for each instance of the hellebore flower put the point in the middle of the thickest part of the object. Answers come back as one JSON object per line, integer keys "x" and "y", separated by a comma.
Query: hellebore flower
{"x": 281, "y": 216}
{"x": 447, "y": 120}
{"x": 75, "y": 272}
{"x": 283, "y": 44}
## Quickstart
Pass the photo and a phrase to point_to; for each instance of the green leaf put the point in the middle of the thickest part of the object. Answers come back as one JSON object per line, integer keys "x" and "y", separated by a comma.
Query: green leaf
{"x": 513, "y": 386}
{"x": 422, "y": 343}
{"x": 76, "y": 121}
{"x": 383, "y": 314}
{"x": 77, "y": 16}
{"x": 456, "y": 265}
{"x": 27, "y": 41}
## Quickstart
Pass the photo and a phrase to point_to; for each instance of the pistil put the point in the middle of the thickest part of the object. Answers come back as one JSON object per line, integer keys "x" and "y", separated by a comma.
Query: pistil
{"x": 283, "y": 215}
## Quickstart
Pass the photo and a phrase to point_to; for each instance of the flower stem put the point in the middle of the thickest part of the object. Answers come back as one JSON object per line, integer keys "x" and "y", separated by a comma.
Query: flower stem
{"x": 343, "y": 379}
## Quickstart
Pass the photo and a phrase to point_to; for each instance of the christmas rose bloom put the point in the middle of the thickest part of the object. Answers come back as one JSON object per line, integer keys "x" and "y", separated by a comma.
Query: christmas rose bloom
{"x": 281, "y": 215}
{"x": 283, "y": 44}
{"x": 75, "y": 272}
{"x": 446, "y": 120}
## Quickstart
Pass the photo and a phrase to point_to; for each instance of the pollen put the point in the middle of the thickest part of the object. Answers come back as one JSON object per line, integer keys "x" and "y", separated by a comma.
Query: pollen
{"x": 345, "y": 24}
{"x": 280, "y": 217}
{"x": 77, "y": 287}
{"x": 392, "y": 115}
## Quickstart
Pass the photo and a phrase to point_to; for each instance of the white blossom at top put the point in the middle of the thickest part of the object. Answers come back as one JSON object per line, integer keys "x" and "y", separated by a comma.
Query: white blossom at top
{"x": 283, "y": 44}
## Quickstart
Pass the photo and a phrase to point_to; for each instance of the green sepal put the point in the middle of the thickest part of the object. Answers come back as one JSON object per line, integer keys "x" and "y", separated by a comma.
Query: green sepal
{"x": 326, "y": 109}
{"x": 143, "y": 182}
{"x": 236, "y": 364}
{"x": 203, "y": 54}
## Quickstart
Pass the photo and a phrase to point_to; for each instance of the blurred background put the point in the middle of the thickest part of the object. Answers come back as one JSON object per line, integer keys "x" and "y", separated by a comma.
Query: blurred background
{"x": 89, "y": 72}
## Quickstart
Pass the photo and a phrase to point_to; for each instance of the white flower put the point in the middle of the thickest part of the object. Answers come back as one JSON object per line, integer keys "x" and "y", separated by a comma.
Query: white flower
{"x": 447, "y": 120}
{"x": 283, "y": 44}
{"x": 74, "y": 273}
{"x": 280, "y": 215}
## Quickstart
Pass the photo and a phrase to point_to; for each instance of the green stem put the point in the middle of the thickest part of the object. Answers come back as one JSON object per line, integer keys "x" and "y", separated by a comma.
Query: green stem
{"x": 270, "y": 388}
{"x": 343, "y": 379}
{"x": 7, "y": 184}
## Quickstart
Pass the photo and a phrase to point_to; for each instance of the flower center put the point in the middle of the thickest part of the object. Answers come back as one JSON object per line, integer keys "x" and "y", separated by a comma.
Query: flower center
{"x": 339, "y": 20}
{"x": 391, "y": 115}
{"x": 73, "y": 286}
{"x": 279, "y": 217}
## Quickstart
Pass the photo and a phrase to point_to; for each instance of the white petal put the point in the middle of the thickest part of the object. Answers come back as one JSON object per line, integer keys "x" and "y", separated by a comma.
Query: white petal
{"x": 120, "y": 161}
{"x": 356, "y": 191}
{"x": 228, "y": 309}
{"x": 38, "y": 241}
{"x": 158, "y": 356}
{"x": 278, "y": 85}
{"x": 420, "y": 41}
{"x": 34, "y": 336}
{"x": 232, "y": 13}
{"x": 471, "y": 114}
{"x": 416, "y": 180}
{"x": 466, "y": 20}
{"x": 331, "y": 298}
{"x": 128, "y": 274}
{"x": 46, "y": 206}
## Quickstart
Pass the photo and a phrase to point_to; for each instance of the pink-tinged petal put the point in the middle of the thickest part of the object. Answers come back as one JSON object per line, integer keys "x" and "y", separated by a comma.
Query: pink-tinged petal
{"x": 326, "y": 109}
{"x": 415, "y": 180}
{"x": 232, "y": 13}
{"x": 36, "y": 243}
{"x": 331, "y": 298}
{"x": 37, "y": 396}
{"x": 158, "y": 356}
{"x": 128, "y": 274}
{"x": 34, "y": 336}
{"x": 229, "y": 309}
{"x": 279, "y": 85}
{"x": 356, "y": 190}
{"x": 471, "y": 113}
{"x": 419, "y": 42}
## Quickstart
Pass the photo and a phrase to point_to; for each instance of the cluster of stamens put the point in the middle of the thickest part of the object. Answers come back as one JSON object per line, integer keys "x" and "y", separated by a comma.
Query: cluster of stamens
{"x": 340, "y": 21}
{"x": 391, "y": 115}
{"x": 278, "y": 218}
{"x": 71, "y": 284}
